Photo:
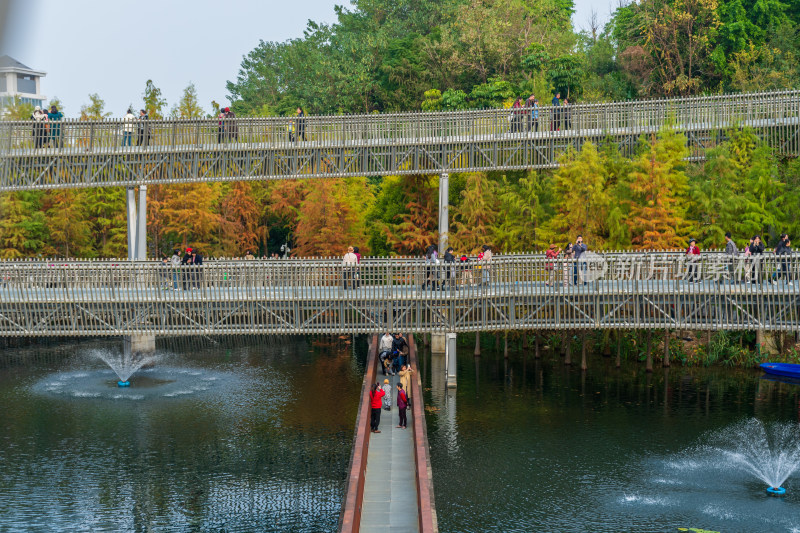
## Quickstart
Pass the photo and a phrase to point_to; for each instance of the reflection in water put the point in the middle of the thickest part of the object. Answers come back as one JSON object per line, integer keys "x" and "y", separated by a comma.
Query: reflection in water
{"x": 233, "y": 436}
{"x": 531, "y": 432}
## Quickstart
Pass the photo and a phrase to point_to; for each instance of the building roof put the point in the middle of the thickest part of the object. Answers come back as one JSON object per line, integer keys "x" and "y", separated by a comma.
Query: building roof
{"x": 8, "y": 63}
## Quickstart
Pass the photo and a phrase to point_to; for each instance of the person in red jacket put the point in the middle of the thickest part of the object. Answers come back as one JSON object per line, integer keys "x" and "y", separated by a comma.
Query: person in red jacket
{"x": 375, "y": 401}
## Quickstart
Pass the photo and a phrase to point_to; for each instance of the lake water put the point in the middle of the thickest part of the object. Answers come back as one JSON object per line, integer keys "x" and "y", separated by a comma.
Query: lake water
{"x": 525, "y": 445}
{"x": 232, "y": 435}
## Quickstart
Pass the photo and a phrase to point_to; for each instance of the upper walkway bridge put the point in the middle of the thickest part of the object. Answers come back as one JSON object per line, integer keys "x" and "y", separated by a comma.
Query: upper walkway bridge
{"x": 89, "y": 154}
{"x": 599, "y": 291}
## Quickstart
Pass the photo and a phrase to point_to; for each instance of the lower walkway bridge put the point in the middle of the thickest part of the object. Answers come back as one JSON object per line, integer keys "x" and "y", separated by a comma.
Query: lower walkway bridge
{"x": 292, "y": 296}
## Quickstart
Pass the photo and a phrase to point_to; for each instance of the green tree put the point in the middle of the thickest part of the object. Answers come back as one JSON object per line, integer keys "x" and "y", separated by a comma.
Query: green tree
{"x": 23, "y": 226}
{"x": 95, "y": 109}
{"x": 16, "y": 109}
{"x": 154, "y": 102}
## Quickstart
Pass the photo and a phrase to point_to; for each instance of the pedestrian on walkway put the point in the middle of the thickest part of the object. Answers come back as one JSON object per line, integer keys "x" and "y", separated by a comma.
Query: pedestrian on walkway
{"x": 175, "y": 263}
{"x": 566, "y": 112}
{"x": 197, "y": 270}
{"x": 569, "y": 254}
{"x": 693, "y": 257}
{"x": 385, "y": 352}
{"x": 533, "y": 113}
{"x": 431, "y": 260}
{"x": 357, "y": 273}
{"x": 221, "y": 126}
{"x": 486, "y": 264}
{"x": 579, "y": 249}
{"x": 375, "y": 401}
{"x": 39, "y": 118}
{"x": 449, "y": 268}
{"x": 143, "y": 129}
{"x": 402, "y": 405}
{"x": 551, "y": 253}
{"x": 54, "y": 120}
{"x": 231, "y": 127}
{"x": 731, "y": 252}
{"x": 399, "y": 350}
{"x": 387, "y": 395}
{"x": 516, "y": 115}
{"x": 186, "y": 262}
{"x": 405, "y": 379}
{"x": 301, "y": 124}
{"x": 783, "y": 251}
{"x": 127, "y": 127}
{"x": 555, "y": 120}
{"x": 349, "y": 265}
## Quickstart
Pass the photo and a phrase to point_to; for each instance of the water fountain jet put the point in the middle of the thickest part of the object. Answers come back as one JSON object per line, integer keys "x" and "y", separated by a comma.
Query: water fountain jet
{"x": 771, "y": 452}
{"x": 125, "y": 363}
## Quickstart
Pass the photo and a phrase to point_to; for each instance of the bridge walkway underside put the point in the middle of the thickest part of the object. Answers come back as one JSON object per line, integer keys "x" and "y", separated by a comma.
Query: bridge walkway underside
{"x": 58, "y": 311}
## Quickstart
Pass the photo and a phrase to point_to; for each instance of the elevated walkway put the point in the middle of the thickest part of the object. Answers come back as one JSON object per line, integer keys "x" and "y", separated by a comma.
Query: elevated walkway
{"x": 91, "y": 154}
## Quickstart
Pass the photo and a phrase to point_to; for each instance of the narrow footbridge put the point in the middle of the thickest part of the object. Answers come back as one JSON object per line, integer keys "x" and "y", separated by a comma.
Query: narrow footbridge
{"x": 599, "y": 291}
{"x": 115, "y": 153}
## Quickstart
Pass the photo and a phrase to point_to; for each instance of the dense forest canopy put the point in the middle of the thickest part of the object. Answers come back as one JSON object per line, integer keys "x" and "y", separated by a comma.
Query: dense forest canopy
{"x": 390, "y": 55}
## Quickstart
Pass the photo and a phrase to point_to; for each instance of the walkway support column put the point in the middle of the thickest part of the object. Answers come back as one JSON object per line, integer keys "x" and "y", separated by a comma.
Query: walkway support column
{"x": 450, "y": 355}
{"x": 141, "y": 231}
{"x": 444, "y": 207}
{"x": 131, "y": 205}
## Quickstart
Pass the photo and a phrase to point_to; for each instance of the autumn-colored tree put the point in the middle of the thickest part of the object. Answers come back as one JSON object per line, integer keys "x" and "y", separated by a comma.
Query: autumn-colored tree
{"x": 23, "y": 226}
{"x": 240, "y": 215}
{"x": 187, "y": 106}
{"x": 189, "y": 214}
{"x": 475, "y": 219}
{"x": 580, "y": 199}
{"x": 418, "y": 226}
{"x": 330, "y": 219}
{"x": 658, "y": 186}
{"x": 66, "y": 220}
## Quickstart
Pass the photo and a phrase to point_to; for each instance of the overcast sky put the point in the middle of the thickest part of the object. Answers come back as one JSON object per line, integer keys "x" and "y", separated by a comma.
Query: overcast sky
{"x": 112, "y": 47}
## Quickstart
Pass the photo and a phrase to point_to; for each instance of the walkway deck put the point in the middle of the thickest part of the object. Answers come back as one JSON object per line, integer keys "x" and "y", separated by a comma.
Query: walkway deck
{"x": 390, "y": 492}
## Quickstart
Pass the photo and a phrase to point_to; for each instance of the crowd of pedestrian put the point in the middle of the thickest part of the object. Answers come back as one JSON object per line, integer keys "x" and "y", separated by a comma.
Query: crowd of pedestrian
{"x": 184, "y": 271}
{"x": 392, "y": 353}
{"x": 47, "y": 127}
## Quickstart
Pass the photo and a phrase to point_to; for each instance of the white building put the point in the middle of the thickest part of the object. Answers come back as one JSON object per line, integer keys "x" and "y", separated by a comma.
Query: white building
{"x": 17, "y": 79}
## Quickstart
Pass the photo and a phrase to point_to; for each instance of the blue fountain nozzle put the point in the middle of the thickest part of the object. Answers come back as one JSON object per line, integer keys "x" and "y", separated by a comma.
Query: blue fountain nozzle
{"x": 123, "y": 383}
{"x": 776, "y": 491}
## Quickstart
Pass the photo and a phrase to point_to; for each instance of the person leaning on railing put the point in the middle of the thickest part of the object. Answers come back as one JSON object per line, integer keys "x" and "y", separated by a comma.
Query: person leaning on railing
{"x": 349, "y": 264}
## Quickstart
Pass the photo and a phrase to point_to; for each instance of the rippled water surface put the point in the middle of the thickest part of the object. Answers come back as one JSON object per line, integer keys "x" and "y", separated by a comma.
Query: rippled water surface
{"x": 525, "y": 445}
{"x": 245, "y": 435}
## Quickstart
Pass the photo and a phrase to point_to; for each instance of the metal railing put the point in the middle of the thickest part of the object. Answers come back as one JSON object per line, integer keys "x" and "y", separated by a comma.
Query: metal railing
{"x": 627, "y": 291}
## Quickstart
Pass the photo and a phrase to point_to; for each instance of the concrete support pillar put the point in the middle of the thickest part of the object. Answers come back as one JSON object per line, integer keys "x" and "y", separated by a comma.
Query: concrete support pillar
{"x": 131, "y": 205}
{"x": 666, "y": 348}
{"x": 536, "y": 354}
{"x": 477, "y": 343}
{"x": 444, "y": 209}
{"x": 450, "y": 355}
{"x": 649, "y": 364}
{"x": 438, "y": 343}
{"x": 139, "y": 345}
{"x": 141, "y": 230}
{"x": 505, "y": 345}
{"x": 619, "y": 349}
